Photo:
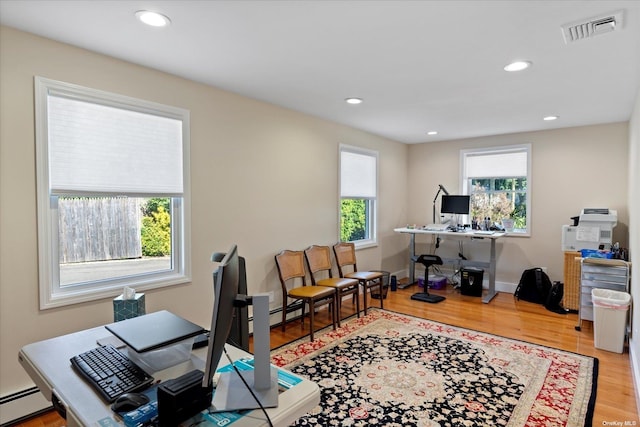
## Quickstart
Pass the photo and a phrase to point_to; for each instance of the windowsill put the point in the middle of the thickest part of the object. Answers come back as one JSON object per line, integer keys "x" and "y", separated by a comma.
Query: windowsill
{"x": 516, "y": 234}
{"x": 364, "y": 244}
{"x": 74, "y": 295}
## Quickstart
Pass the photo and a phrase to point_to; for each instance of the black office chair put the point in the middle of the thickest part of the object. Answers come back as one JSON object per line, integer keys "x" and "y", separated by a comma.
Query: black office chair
{"x": 427, "y": 261}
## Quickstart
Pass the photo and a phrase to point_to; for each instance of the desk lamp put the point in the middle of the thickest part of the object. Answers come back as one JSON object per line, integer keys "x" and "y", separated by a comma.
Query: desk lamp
{"x": 444, "y": 190}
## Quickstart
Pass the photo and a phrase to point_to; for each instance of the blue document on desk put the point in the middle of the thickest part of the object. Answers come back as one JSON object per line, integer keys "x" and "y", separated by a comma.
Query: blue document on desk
{"x": 286, "y": 381}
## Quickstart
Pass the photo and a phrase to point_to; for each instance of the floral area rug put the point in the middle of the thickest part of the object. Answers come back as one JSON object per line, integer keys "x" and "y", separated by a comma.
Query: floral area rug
{"x": 389, "y": 369}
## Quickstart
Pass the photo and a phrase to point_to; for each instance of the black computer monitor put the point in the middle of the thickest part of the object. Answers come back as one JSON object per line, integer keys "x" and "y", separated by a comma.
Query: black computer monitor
{"x": 225, "y": 289}
{"x": 458, "y": 204}
{"x": 238, "y": 390}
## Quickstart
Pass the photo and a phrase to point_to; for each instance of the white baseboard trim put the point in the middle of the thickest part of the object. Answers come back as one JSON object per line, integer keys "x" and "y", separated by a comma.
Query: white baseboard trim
{"x": 504, "y": 287}
{"x": 22, "y": 404}
{"x": 634, "y": 358}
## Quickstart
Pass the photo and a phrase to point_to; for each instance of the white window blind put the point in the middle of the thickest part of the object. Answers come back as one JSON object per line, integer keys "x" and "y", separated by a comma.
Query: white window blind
{"x": 357, "y": 175}
{"x": 100, "y": 146}
{"x": 505, "y": 164}
{"x": 96, "y": 148}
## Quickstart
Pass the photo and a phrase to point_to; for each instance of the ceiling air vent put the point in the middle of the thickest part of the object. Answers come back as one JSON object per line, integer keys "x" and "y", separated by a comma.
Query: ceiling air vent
{"x": 588, "y": 28}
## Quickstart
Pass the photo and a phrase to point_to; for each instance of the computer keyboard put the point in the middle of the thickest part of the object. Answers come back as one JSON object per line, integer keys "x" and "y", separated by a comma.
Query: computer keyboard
{"x": 110, "y": 372}
{"x": 436, "y": 227}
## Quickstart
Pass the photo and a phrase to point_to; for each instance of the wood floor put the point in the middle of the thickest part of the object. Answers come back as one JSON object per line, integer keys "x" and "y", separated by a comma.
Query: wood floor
{"x": 505, "y": 317}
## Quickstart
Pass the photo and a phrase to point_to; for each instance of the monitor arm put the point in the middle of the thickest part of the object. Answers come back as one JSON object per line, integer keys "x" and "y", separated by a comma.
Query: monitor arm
{"x": 242, "y": 301}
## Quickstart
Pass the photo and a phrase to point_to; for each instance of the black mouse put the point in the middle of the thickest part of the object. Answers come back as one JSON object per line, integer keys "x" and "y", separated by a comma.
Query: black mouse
{"x": 129, "y": 401}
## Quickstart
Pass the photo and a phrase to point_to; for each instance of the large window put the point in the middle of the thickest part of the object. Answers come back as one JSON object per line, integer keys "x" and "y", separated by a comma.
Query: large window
{"x": 112, "y": 177}
{"x": 358, "y": 195}
{"x": 499, "y": 182}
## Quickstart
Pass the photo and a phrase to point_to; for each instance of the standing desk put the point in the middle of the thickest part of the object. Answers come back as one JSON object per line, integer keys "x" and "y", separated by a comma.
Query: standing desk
{"x": 47, "y": 363}
{"x": 490, "y": 265}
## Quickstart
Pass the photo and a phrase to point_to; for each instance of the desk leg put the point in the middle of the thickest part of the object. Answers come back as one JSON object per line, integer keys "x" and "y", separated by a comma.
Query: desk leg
{"x": 412, "y": 264}
{"x": 492, "y": 274}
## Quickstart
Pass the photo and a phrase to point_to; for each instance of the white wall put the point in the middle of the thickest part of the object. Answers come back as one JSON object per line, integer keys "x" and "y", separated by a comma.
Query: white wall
{"x": 263, "y": 177}
{"x": 634, "y": 246}
{"x": 573, "y": 168}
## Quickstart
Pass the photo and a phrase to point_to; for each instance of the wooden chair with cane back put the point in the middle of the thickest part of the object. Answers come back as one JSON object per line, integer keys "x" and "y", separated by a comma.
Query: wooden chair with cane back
{"x": 320, "y": 269}
{"x": 291, "y": 270}
{"x": 345, "y": 253}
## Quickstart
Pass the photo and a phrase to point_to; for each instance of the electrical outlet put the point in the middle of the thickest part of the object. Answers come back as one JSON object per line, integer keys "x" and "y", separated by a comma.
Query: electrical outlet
{"x": 271, "y": 296}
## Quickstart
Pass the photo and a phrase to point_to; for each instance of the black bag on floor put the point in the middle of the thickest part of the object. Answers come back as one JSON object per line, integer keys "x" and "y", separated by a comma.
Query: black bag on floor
{"x": 534, "y": 286}
{"x": 554, "y": 299}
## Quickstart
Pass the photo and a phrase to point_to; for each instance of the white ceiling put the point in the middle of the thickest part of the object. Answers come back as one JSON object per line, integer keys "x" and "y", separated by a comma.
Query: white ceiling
{"x": 418, "y": 65}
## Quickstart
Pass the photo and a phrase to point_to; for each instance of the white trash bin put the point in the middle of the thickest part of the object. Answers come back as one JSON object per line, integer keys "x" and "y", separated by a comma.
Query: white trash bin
{"x": 609, "y": 318}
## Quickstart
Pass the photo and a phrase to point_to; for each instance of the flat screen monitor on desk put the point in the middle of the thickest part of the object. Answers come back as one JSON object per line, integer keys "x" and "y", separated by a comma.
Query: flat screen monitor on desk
{"x": 458, "y": 204}
{"x": 236, "y": 390}
{"x": 225, "y": 292}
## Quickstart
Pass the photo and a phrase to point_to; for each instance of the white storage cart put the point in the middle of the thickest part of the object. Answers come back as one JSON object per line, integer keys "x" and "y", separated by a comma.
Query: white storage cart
{"x": 602, "y": 274}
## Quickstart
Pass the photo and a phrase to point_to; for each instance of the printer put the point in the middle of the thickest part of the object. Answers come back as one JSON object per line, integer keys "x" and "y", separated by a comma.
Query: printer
{"x": 593, "y": 231}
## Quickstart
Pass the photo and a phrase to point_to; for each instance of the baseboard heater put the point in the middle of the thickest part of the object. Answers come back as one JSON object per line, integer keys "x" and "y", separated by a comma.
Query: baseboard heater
{"x": 21, "y": 406}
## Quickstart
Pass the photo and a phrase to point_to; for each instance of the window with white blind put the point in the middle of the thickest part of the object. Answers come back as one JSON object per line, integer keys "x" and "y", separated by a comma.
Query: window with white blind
{"x": 358, "y": 195}
{"x": 113, "y": 194}
{"x": 499, "y": 182}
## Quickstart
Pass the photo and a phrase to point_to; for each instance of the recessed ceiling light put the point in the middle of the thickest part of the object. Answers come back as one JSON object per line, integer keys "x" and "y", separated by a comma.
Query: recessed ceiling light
{"x": 154, "y": 19}
{"x": 433, "y": 132}
{"x": 353, "y": 101}
{"x": 517, "y": 66}
{"x": 550, "y": 118}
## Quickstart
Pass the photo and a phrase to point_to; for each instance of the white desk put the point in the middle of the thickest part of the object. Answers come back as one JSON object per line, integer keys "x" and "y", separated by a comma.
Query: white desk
{"x": 490, "y": 265}
{"x": 47, "y": 363}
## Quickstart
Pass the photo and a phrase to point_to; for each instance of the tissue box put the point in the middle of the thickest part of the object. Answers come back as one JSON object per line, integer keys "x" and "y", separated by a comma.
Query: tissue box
{"x": 128, "y": 308}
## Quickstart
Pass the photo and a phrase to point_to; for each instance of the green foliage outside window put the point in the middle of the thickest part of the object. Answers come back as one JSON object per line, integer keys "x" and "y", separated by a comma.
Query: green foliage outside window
{"x": 156, "y": 228}
{"x": 153, "y": 204}
{"x": 353, "y": 220}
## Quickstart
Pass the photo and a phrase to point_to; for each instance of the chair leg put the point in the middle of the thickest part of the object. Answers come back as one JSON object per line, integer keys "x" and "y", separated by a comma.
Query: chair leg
{"x": 302, "y": 317}
{"x": 364, "y": 297}
{"x": 355, "y": 299}
{"x": 336, "y": 314}
{"x": 381, "y": 293}
{"x": 312, "y": 309}
{"x": 284, "y": 316}
{"x": 338, "y": 308}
